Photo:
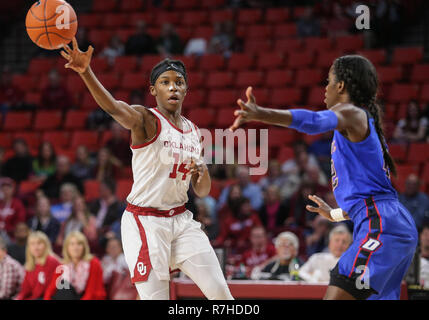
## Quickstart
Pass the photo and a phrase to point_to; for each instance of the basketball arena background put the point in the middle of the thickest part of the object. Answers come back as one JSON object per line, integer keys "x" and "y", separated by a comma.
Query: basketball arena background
{"x": 283, "y": 49}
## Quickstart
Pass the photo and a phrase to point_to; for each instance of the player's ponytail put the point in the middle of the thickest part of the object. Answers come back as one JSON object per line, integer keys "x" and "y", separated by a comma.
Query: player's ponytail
{"x": 361, "y": 83}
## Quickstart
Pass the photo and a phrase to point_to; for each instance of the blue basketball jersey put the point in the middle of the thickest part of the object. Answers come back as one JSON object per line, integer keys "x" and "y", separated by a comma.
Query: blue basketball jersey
{"x": 358, "y": 169}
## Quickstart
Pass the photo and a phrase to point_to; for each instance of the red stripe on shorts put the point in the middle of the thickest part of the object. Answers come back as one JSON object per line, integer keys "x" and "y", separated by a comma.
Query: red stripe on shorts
{"x": 143, "y": 265}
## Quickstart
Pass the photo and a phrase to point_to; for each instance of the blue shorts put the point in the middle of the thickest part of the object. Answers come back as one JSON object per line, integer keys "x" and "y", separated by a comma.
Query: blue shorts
{"x": 384, "y": 240}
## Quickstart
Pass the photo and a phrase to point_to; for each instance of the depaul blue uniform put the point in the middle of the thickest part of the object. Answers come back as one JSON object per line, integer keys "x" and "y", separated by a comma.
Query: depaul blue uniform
{"x": 385, "y": 235}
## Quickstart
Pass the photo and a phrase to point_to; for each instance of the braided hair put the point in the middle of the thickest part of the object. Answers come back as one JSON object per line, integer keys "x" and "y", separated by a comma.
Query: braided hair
{"x": 361, "y": 83}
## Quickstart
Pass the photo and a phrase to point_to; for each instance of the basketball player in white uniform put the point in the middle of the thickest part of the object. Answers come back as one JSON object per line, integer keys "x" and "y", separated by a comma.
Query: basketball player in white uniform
{"x": 158, "y": 233}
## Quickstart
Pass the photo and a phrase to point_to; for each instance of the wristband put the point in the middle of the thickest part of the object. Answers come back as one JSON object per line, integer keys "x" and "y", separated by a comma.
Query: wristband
{"x": 337, "y": 214}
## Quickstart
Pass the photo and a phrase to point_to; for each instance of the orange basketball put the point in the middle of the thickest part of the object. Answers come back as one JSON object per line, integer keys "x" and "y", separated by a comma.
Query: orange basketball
{"x": 51, "y": 23}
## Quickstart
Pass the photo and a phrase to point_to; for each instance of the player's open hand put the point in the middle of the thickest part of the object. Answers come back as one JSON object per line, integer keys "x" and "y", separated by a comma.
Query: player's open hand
{"x": 77, "y": 59}
{"x": 248, "y": 111}
{"x": 323, "y": 208}
{"x": 197, "y": 168}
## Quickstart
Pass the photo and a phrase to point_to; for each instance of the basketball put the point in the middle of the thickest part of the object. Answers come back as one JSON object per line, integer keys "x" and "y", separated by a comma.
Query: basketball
{"x": 51, "y": 23}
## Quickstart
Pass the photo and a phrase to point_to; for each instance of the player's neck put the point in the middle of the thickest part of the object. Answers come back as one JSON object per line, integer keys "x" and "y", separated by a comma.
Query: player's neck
{"x": 173, "y": 116}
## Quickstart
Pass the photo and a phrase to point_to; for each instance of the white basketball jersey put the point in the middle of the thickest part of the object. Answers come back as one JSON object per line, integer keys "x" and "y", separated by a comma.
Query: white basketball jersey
{"x": 161, "y": 178}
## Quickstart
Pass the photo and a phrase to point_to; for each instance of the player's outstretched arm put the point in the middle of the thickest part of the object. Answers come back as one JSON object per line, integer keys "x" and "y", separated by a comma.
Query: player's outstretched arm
{"x": 326, "y": 211}
{"x": 79, "y": 61}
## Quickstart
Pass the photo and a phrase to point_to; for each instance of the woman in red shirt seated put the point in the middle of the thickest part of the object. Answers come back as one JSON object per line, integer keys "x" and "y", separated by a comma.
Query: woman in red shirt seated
{"x": 81, "y": 274}
{"x": 40, "y": 265}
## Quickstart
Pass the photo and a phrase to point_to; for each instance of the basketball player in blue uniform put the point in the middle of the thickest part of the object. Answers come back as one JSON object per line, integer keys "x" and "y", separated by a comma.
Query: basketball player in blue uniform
{"x": 384, "y": 235}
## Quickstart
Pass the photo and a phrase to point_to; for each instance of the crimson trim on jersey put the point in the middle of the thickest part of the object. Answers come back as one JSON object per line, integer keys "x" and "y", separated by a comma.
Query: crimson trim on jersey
{"x": 143, "y": 265}
{"x": 146, "y": 211}
{"x": 158, "y": 131}
{"x": 171, "y": 124}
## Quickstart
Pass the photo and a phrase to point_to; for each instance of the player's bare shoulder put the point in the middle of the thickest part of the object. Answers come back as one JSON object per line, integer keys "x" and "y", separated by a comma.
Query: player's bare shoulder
{"x": 147, "y": 127}
{"x": 352, "y": 121}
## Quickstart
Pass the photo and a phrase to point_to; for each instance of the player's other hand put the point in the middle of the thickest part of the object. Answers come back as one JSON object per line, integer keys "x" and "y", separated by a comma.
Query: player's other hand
{"x": 322, "y": 207}
{"x": 77, "y": 59}
{"x": 197, "y": 168}
{"x": 248, "y": 111}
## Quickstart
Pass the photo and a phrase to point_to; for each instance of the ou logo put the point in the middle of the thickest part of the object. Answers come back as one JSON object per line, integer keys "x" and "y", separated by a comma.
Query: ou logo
{"x": 141, "y": 268}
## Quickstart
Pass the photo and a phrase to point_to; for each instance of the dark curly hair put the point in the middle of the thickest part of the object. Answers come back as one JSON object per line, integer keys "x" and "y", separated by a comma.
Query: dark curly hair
{"x": 361, "y": 82}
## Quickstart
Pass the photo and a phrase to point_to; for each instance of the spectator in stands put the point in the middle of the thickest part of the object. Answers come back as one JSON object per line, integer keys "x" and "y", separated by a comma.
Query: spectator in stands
{"x": 250, "y": 190}
{"x": 98, "y": 120}
{"x": 118, "y": 145}
{"x": 141, "y": 42}
{"x": 220, "y": 42}
{"x": 274, "y": 176}
{"x": 2, "y": 154}
{"x": 321, "y": 149}
{"x": 416, "y": 202}
{"x": 413, "y": 127}
{"x": 273, "y": 212}
{"x": 318, "y": 266}
{"x": 11, "y": 274}
{"x": 19, "y": 167}
{"x": 63, "y": 174}
{"x": 235, "y": 229}
{"x": 234, "y": 196}
{"x": 62, "y": 210}
{"x": 84, "y": 164}
{"x": 424, "y": 256}
{"x": 106, "y": 166}
{"x": 45, "y": 163}
{"x": 12, "y": 210}
{"x": 83, "y": 279}
{"x": 207, "y": 218}
{"x": 318, "y": 240}
{"x": 55, "y": 96}
{"x": 16, "y": 248}
{"x": 82, "y": 38}
{"x": 168, "y": 43}
{"x": 388, "y": 22}
{"x": 80, "y": 220}
{"x": 195, "y": 46}
{"x": 291, "y": 166}
{"x": 285, "y": 265}
{"x": 114, "y": 260}
{"x": 260, "y": 251}
{"x": 308, "y": 25}
{"x": 114, "y": 49}
{"x": 44, "y": 221}
{"x": 107, "y": 208}
{"x": 40, "y": 266}
{"x": 339, "y": 23}
{"x": 11, "y": 97}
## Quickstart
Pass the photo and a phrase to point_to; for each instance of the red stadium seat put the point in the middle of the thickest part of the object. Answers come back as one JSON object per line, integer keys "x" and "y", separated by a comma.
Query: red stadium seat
{"x": 134, "y": 81}
{"x": 125, "y": 64}
{"x": 249, "y": 78}
{"x": 33, "y": 98}
{"x": 195, "y": 80}
{"x": 257, "y": 31}
{"x": 279, "y": 137}
{"x": 350, "y": 43}
{"x": 318, "y": 44}
{"x": 104, "y": 5}
{"x": 221, "y": 15}
{"x": 408, "y": 55}
{"x": 219, "y": 80}
{"x": 420, "y": 73}
{"x": 194, "y": 18}
{"x": 99, "y": 64}
{"x": 131, "y": 5}
{"x": 40, "y": 66}
{"x": 32, "y": 138}
{"x": 308, "y": 77}
{"x": 74, "y": 83}
{"x": 123, "y": 188}
{"x": 195, "y": 99}
{"x": 278, "y": 78}
{"x": 376, "y": 56}
{"x": 92, "y": 189}
{"x": 149, "y": 61}
{"x": 249, "y": 16}
{"x": 99, "y": 38}
{"x": 424, "y": 93}
{"x": 257, "y": 46}
{"x": 186, "y": 4}
{"x": 285, "y": 98}
{"x": 171, "y": 17}
{"x": 389, "y": 74}
{"x": 17, "y": 121}
{"x": 90, "y": 20}
{"x": 149, "y": 100}
{"x": 326, "y": 59}
{"x": 403, "y": 171}
{"x": 212, "y": 4}
{"x": 262, "y": 96}
{"x": 147, "y": 17}
{"x": 47, "y": 120}
{"x": 114, "y": 20}
{"x": 125, "y": 34}
{"x": 277, "y": 15}
{"x": 316, "y": 97}
{"x": 68, "y": 153}
{"x": 59, "y": 139}
{"x": 88, "y": 102}
{"x": 425, "y": 175}
{"x": 23, "y": 82}
{"x": 86, "y": 138}
{"x": 269, "y": 60}
{"x": 299, "y": 60}
{"x": 240, "y": 61}
{"x": 203, "y": 31}
{"x": 287, "y": 45}
{"x": 418, "y": 153}
{"x": 211, "y": 62}
{"x": 75, "y": 119}
{"x": 222, "y": 98}
{"x": 28, "y": 186}
{"x": 285, "y": 30}
{"x": 202, "y": 117}
{"x": 5, "y": 139}
{"x": 403, "y": 93}
{"x": 224, "y": 117}
{"x": 398, "y": 152}
{"x": 109, "y": 80}
{"x": 285, "y": 153}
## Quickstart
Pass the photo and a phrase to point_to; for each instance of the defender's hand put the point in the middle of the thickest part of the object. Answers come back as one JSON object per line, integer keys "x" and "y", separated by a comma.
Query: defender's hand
{"x": 77, "y": 59}
{"x": 249, "y": 110}
{"x": 323, "y": 208}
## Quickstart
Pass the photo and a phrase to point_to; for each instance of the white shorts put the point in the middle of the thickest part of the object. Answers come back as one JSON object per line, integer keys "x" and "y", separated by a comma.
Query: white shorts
{"x": 160, "y": 244}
